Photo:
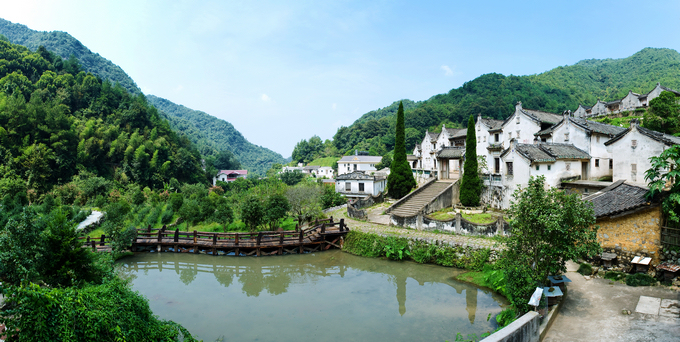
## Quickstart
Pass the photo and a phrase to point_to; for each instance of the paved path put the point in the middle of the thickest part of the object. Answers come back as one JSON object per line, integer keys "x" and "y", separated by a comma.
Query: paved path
{"x": 380, "y": 229}
{"x": 593, "y": 312}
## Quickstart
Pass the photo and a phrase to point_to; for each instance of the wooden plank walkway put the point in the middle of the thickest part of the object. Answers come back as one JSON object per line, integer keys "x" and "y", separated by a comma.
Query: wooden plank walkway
{"x": 323, "y": 235}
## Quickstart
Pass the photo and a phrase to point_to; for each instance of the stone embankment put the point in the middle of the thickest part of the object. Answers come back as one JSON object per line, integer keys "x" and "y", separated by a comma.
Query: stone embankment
{"x": 418, "y": 235}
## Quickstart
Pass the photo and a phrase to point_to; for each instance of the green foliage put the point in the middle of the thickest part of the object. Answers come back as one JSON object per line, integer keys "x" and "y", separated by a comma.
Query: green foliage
{"x": 506, "y": 317}
{"x": 225, "y": 160}
{"x": 549, "y": 227}
{"x": 252, "y": 212}
{"x": 615, "y": 276}
{"x": 496, "y": 279}
{"x": 330, "y": 198}
{"x": 176, "y": 201}
{"x": 397, "y": 248}
{"x": 640, "y": 279}
{"x": 400, "y": 181}
{"x": 291, "y": 177}
{"x": 305, "y": 201}
{"x": 107, "y": 312}
{"x": 190, "y": 212}
{"x": 585, "y": 269}
{"x": 471, "y": 185}
{"x": 275, "y": 209}
{"x": 663, "y": 114}
{"x": 212, "y": 135}
{"x": 665, "y": 170}
{"x": 166, "y": 216}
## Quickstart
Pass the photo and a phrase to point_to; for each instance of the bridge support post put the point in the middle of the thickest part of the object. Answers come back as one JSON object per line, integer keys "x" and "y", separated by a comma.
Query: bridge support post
{"x": 103, "y": 240}
{"x": 94, "y": 246}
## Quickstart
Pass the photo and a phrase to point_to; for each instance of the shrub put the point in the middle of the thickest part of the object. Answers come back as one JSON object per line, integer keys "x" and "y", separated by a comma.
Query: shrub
{"x": 585, "y": 269}
{"x": 176, "y": 201}
{"x": 640, "y": 279}
{"x": 166, "y": 217}
{"x": 506, "y": 317}
{"x": 615, "y": 276}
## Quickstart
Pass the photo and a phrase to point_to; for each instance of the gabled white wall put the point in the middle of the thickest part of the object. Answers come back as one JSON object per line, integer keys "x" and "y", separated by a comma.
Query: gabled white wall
{"x": 625, "y": 155}
{"x": 526, "y": 127}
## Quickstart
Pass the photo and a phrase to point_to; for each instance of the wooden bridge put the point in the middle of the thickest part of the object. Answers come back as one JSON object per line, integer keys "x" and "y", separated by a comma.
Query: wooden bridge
{"x": 323, "y": 235}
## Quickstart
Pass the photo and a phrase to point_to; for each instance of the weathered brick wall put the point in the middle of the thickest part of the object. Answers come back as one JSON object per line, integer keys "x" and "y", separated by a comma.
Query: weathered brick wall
{"x": 638, "y": 233}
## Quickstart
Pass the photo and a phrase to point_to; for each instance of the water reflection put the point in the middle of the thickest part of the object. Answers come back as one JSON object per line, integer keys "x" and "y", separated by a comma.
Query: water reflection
{"x": 323, "y": 288}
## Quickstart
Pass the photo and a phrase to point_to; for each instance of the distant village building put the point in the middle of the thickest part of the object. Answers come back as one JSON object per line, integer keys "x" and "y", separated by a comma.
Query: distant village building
{"x": 229, "y": 175}
{"x": 630, "y": 102}
{"x": 325, "y": 171}
{"x": 632, "y": 148}
{"x": 310, "y": 170}
{"x": 359, "y": 184}
{"x": 291, "y": 169}
{"x": 357, "y": 162}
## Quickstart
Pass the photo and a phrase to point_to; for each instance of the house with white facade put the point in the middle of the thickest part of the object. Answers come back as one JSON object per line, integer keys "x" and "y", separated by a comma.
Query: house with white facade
{"x": 555, "y": 161}
{"x": 349, "y": 164}
{"x": 291, "y": 169}
{"x": 632, "y": 148}
{"x": 630, "y": 102}
{"x": 425, "y": 161}
{"x": 359, "y": 184}
{"x": 310, "y": 170}
{"x": 589, "y": 136}
{"x": 229, "y": 175}
{"x": 325, "y": 171}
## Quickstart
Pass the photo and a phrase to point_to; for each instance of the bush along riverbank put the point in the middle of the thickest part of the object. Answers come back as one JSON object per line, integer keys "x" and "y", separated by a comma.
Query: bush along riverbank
{"x": 402, "y": 248}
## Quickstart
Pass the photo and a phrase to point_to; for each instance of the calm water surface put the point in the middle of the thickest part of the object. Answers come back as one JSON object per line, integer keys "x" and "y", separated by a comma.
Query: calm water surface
{"x": 328, "y": 296}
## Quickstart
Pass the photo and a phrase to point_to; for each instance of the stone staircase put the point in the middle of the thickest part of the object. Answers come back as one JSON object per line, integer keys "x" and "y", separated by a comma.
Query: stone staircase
{"x": 415, "y": 203}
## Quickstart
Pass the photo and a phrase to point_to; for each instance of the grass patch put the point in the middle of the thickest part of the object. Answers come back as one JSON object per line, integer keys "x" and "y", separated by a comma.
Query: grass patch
{"x": 96, "y": 233}
{"x": 621, "y": 122}
{"x": 443, "y": 214}
{"x": 327, "y": 161}
{"x": 481, "y": 218}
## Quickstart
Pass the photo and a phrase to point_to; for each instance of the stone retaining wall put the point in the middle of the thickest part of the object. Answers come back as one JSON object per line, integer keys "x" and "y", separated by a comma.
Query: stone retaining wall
{"x": 457, "y": 225}
{"x": 355, "y": 207}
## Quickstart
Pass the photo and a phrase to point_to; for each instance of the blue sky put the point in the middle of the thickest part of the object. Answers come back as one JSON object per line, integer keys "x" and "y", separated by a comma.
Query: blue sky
{"x": 282, "y": 71}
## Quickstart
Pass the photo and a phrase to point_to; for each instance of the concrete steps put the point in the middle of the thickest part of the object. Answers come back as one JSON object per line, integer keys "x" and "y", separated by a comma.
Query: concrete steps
{"x": 414, "y": 204}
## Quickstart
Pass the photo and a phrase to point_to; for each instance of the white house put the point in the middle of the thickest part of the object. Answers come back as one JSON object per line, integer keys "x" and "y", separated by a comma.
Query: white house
{"x": 229, "y": 175}
{"x": 586, "y": 135}
{"x": 291, "y": 168}
{"x": 311, "y": 170}
{"x": 557, "y": 162}
{"x": 349, "y": 164}
{"x": 629, "y": 102}
{"x": 359, "y": 184}
{"x": 325, "y": 171}
{"x": 632, "y": 148}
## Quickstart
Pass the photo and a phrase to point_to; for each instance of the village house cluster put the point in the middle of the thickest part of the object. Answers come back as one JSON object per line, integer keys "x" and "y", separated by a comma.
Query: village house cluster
{"x": 569, "y": 150}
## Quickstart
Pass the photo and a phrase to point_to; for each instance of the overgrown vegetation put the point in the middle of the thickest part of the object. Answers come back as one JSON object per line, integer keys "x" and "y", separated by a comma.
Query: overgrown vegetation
{"x": 585, "y": 269}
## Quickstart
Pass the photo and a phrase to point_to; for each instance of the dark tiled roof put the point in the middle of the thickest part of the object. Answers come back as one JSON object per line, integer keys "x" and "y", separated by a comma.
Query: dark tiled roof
{"x": 589, "y": 126}
{"x": 451, "y": 152}
{"x": 311, "y": 167}
{"x": 433, "y": 136}
{"x": 671, "y": 90}
{"x": 411, "y": 157}
{"x": 585, "y": 107}
{"x": 365, "y": 159}
{"x": 549, "y": 152}
{"x": 360, "y": 175}
{"x": 618, "y": 198}
{"x": 456, "y": 132}
{"x": 664, "y": 138}
{"x": 492, "y": 124}
{"x": 543, "y": 116}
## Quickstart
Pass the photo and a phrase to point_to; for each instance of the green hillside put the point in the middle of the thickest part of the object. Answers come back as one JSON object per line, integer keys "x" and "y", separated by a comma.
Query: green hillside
{"x": 64, "y": 45}
{"x": 494, "y": 96}
{"x": 212, "y": 135}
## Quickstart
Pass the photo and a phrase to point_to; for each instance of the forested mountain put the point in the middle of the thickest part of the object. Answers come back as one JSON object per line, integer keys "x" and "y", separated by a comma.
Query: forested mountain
{"x": 212, "y": 135}
{"x": 57, "y": 122}
{"x": 64, "y": 45}
{"x": 494, "y": 96}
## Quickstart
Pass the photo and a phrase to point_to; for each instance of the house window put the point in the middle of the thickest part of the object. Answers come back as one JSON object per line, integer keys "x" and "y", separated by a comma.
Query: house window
{"x": 597, "y": 163}
{"x": 509, "y": 135}
{"x": 538, "y": 167}
{"x": 633, "y": 168}
{"x": 477, "y": 139}
{"x": 633, "y": 143}
{"x": 496, "y": 165}
{"x": 548, "y": 167}
{"x": 518, "y": 119}
{"x": 485, "y": 138}
{"x": 361, "y": 187}
{"x": 517, "y": 135}
{"x": 355, "y": 167}
{"x": 508, "y": 167}
{"x": 496, "y": 137}
{"x": 597, "y": 138}
{"x": 611, "y": 164}
{"x": 348, "y": 186}
{"x": 568, "y": 166}
{"x": 566, "y": 136}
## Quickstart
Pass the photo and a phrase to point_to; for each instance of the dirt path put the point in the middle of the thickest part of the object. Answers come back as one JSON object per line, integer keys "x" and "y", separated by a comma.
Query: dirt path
{"x": 593, "y": 312}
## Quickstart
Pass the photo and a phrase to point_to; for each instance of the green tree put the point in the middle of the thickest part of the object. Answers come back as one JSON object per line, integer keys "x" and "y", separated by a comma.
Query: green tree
{"x": 276, "y": 208}
{"x": 400, "y": 180}
{"x": 176, "y": 201}
{"x": 291, "y": 177}
{"x": 305, "y": 201}
{"x": 225, "y": 160}
{"x": 190, "y": 212}
{"x": 549, "y": 227}
{"x": 665, "y": 171}
{"x": 470, "y": 185}
{"x": 663, "y": 114}
{"x": 252, "y": 212}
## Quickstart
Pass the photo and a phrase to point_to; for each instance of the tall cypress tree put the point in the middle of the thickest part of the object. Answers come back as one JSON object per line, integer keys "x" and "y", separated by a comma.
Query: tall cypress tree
{"x": 471, "y": 185}
{"x": 400, "y": 181}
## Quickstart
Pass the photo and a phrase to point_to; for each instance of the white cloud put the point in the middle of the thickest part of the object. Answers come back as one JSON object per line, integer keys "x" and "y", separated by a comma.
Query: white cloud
{"x": 179, "y": 88}
{"x": 447, "y": 70}
{"x": 265, "y": 98}
{"x": 334, "y": 106}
